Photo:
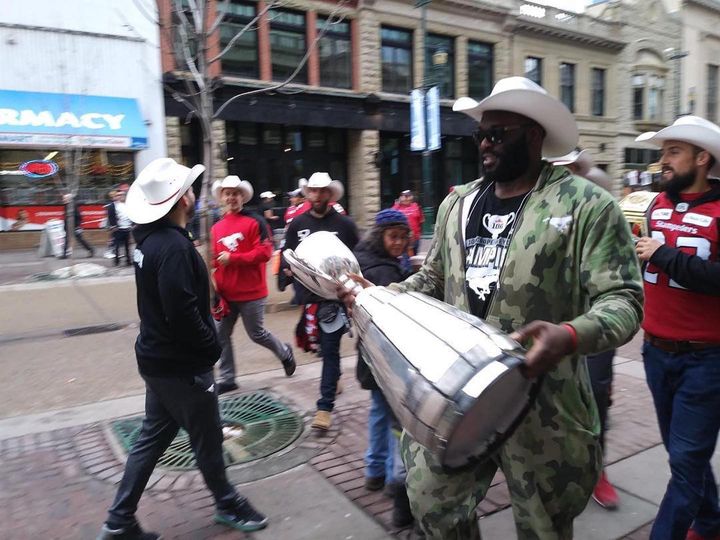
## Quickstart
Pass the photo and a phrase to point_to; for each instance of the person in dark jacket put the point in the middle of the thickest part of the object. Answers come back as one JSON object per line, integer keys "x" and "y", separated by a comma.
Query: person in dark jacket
{"x": 176, "y": 350}
{"x": 379, "y": 257}
{"x": 320, "y": 191}
{"x": 72, "y": 209}
{"x": 120, "y": 224}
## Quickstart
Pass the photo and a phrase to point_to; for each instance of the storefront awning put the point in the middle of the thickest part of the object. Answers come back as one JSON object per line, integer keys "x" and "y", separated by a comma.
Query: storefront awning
{"x": 38, "y": 119}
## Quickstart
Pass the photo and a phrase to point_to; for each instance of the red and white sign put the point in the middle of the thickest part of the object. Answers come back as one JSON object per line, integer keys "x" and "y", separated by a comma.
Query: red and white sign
{"x": 33, "y": 218}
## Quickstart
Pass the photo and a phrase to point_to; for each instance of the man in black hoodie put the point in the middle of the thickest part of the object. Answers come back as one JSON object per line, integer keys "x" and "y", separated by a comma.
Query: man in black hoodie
{"x": 320, "y": 191}
{"x": 176, "y": 350}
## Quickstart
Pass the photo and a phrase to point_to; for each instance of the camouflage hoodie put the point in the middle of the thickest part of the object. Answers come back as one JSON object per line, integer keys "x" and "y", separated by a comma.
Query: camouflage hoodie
{"x": 570, "y": 259}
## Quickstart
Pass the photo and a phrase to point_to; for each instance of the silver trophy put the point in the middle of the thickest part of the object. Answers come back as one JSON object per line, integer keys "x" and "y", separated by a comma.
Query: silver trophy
{"x": 453, "y": 381}
{"x": 322, "y": 262}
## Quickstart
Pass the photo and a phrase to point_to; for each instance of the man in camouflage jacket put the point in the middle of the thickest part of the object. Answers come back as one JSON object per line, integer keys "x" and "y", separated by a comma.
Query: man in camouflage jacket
{"x": 569, "y": 261}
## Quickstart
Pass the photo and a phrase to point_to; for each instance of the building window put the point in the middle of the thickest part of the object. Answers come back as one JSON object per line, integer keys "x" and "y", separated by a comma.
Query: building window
{"x": 273, "y": 157}
{"x": 287, "y": 44}
{"x": 656, "y": 96}
{"x": 440, "y": 63}
{"x": 712, "y": 90}
{"x": 397, "y": 58}
{"x": 567, "y": 85}
{"x": 480, "y": 69}
{"x": 335, "y": 58}
{"x": 640, "y": 157}
{"x": 241, "y": 59}
{"x": 97, "y": 172}
{"x": 638, "y": 104}
{"x": 533, "y": 69}
{"x": 597, "y": 96}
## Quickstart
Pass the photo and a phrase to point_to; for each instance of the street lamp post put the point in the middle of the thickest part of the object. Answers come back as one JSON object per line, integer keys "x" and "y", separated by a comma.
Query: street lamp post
{"x": 439, "y": 59}
{"x": 677, "y": 56}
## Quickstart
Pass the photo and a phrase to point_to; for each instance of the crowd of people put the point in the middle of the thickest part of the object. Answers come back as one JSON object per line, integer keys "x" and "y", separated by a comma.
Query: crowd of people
{"x": 537, "y": 247}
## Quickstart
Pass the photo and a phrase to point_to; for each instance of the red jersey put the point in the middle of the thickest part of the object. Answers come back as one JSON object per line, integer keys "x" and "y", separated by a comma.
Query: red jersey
{"x": 243, "y": 279}
{"x": 414, "y": 215}
{"x": 671, "y": 310}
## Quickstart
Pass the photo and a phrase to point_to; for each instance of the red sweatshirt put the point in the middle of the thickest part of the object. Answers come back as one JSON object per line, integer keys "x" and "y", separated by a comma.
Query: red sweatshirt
{"x": 414, "y": 215}
{"x": 243, "y": 279}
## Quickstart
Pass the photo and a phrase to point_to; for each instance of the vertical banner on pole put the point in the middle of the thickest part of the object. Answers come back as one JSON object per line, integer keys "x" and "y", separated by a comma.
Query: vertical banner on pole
{"x": 433, "y": 118}
{"x": 417, "y": 120}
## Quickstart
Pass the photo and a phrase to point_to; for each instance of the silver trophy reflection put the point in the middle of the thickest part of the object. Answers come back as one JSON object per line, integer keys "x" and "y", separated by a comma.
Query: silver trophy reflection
{"x": 322, "y": 262}
{"x": 453, "y": 381}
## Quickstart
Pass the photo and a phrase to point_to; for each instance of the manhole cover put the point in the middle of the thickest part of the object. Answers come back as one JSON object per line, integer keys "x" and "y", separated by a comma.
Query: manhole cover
{"x": 259, "y": 426}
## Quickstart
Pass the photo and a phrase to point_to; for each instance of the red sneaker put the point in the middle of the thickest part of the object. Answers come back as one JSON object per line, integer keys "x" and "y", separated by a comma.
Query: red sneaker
{"x": 604, "y": 494}
{"x": 692, "y": 535}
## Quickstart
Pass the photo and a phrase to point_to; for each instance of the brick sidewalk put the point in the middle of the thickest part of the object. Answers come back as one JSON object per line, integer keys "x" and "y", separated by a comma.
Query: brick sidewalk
{"x": 59, "y": 484}
{"x": 632, "y": 429}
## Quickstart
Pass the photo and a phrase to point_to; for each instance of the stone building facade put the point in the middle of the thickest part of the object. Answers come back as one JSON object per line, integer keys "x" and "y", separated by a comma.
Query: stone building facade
{"x": 357, "y": 125}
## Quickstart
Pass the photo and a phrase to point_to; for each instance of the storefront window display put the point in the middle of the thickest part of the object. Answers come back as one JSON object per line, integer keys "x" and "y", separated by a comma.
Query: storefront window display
{"x": 36, "y": 200}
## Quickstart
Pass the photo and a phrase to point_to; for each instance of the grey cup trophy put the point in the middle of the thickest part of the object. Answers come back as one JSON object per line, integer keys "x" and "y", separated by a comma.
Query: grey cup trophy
{"x": 322, "y": 262}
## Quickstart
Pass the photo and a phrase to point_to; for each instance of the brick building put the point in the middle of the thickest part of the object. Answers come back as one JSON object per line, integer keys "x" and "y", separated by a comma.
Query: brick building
{"x": 348, "y": 109}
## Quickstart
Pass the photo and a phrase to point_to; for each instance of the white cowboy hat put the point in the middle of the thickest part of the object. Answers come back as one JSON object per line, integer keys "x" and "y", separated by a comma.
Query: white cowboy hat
{"x": 689, "y": 129}
{"x": 522, "y": 96}
{"x": 323, "y": 180}
{"x": 233, "y": 182}
{"x": 302, "y": 182}
{"x": 267, "y": 195}
{"x": 581, "y": 158}
{"x": 157, "y": 188}
{"x": 295, "y": 193}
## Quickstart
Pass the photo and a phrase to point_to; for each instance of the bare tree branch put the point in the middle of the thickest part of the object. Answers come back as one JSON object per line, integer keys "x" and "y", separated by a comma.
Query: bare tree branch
{"x": 247, "y": 27}
{"x": 222, "y": 9}
{"x": 188, "y": 57}
{"x": 180, "y": 98}
{"x": 330, "y": 21}
{"x": 141, "y": 8}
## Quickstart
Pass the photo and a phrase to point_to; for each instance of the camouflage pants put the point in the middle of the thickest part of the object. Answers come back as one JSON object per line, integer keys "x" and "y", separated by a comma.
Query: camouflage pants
{"x": 551, "y": 464}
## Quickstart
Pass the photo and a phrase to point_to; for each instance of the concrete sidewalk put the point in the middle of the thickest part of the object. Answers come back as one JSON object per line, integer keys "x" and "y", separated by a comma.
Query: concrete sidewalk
{"x": 60, "y": 464}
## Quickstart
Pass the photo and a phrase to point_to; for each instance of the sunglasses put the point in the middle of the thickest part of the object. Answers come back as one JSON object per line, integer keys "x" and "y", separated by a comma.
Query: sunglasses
{"x": 495, "y": 134}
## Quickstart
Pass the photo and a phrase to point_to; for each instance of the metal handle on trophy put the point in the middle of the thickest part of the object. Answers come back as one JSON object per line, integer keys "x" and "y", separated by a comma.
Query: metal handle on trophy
{"x": 350, "y": 284}
{"x": 321, "y": 262}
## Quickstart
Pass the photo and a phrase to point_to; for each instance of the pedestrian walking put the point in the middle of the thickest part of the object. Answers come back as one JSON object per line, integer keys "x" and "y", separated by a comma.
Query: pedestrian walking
{"x": 378, "y": 255}
{"x": 600, "y": 366}
{"x": 319, "y": 192}
{"x": 72, "y": 209}
{"x": 414, "y": 214}
{"x": 681, "y": 350}
{"x": 120, "y": 225}
{"x": 176, "y": 350}
{"x": 242, "y": 247}
{"x": 296, "y": 199}
{"x": 505, "y": 245}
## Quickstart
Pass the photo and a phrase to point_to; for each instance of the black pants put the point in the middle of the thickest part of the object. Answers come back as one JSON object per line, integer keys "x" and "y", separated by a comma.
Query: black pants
{"x": 79, "y": 238}
{"x": 122, "y": 237}
{"x": 171, "y": 403}
{"x": 601, "y": 376}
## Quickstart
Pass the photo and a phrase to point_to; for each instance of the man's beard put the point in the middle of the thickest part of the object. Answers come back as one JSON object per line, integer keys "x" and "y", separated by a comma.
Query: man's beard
{"x": 511, "y": 164}
{"x": 320, "y": 207}
{"x": 679, "y": 182}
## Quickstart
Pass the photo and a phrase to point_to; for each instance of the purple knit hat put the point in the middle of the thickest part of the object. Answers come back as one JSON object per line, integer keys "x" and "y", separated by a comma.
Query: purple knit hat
{"x": 390, "y": 217}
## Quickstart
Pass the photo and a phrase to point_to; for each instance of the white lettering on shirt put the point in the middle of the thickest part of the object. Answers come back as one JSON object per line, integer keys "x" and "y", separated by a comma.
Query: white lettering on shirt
{"x": 697, "y": 219}
{"x": 661, "y": 213}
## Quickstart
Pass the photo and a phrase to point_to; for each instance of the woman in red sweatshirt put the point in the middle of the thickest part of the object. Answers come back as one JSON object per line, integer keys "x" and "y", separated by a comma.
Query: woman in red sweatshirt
{"x": 242, "y": 246}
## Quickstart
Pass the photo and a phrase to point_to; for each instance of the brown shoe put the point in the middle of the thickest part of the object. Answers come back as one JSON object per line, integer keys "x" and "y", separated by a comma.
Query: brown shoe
{"x": 322, "y": 421}
{"x": 339, "y": 387}
{"x": 374, "y": 483}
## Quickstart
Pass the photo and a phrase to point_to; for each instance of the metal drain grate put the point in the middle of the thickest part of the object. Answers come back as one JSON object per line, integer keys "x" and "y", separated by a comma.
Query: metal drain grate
{"x": 265, "y": 426}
